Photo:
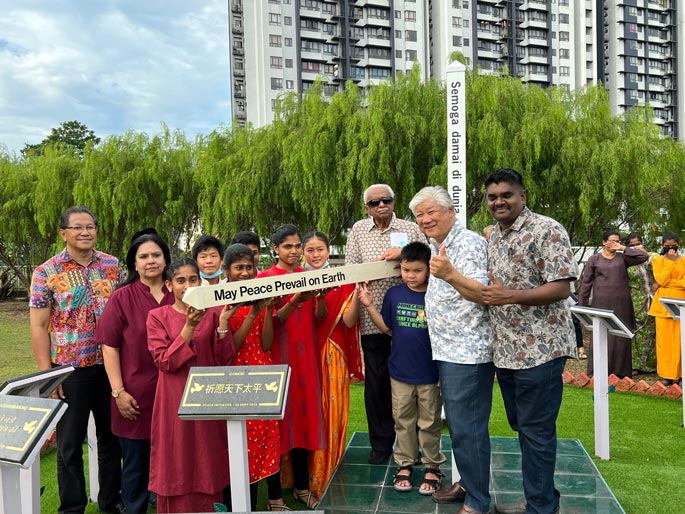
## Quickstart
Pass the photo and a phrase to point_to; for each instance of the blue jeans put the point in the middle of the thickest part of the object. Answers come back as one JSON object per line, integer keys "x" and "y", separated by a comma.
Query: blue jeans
{"x": 532, "y": 398}
{"x": 467, "y": 396}
{"x": 135, "y": 474}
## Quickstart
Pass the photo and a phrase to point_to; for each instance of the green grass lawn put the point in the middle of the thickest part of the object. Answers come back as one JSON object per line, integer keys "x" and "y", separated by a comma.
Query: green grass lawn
{"x": 646, "y": 470}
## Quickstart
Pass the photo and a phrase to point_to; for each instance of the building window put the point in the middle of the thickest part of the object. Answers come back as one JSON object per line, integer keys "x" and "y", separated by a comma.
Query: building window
{"x": 398, "y": 54}
{"x": 310, "y": 46}
{"x": 398, "y": 34}
{"x": 564, "y": 71}
{"x": 564, "y": 53}
{"x": 466, "y": 41}
{"x": 564, "y": 36}
{"x": 456, "y": 21}
{"x": 289, "y": 84}
{"x": 287, "y": 20}
{"x": 411, "y": 55}
{"x": 409, "y": 15}
{"x": 378, "y": 73}
{"x": 466, "y": 24}
{"x": 276, "y": 62}
{"x": 632, "y": 27}
{"x": 379, "y": 53}
{"x": 276, "y": 84}
{"x": 288, "y": 63}
{"x": 312, "y": 5}
{"x": 563, "y": 18}
{"x": 398, "y": 15}
{"x": 465, "y": 4}
{"x": 410, "y": 35}
{"x": 456, "y": 40}
{"x": 274, "y": 19}
{"x": 380, "y": 14}
{"x": 634, "y": 61}
{"x": 632, "y": 11}
{"x": 274, "y": 40}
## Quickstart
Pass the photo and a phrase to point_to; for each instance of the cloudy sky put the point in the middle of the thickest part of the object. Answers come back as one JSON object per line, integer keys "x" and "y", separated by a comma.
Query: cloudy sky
{"x": 112, "y": 65}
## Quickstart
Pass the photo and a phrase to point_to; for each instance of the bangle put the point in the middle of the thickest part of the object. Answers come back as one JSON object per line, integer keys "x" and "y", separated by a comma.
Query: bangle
{"x": 293, "y": 304}
{"x": 221, "y": 332}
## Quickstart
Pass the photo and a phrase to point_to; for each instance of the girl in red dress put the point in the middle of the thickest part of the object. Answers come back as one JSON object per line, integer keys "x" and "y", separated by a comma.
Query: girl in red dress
{"x": 188, "y": 459}
{"x": 252, "y": 328}
{"x": 302, "y": 428}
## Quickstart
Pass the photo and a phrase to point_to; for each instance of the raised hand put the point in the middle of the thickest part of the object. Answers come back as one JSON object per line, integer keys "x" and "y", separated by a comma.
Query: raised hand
{"x": 440, "y": 265}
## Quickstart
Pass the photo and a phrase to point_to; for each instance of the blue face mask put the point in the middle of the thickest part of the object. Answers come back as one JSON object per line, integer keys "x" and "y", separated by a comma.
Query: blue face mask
{"x": 309, "y": 268}
{"x": 210, "y": 277}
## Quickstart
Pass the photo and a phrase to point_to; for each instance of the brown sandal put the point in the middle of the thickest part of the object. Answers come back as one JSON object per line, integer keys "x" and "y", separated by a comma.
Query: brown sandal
{"x": 307, "y": 497}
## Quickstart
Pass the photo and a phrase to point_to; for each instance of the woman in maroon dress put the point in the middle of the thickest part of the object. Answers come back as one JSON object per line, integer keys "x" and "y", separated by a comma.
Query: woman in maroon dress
{"x": 606, "y": 275}
{"x": 130, "y": 369}
{"x": 189, "y": 459}
{"x": 302, "y": 427}
{"x": 252, "y": 328}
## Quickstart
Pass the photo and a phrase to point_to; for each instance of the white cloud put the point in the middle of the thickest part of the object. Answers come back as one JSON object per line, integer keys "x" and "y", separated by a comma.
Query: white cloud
{"x": 113, "y": 65}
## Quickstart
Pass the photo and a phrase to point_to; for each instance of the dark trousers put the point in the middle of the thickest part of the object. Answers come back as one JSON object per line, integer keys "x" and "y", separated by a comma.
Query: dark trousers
{"x": 273, "y": 483}
{"x": 467, "y": 396}
{"x": 532, "y": 398}
{"x": 135, "y": 474}
{"x": 87, "y": 390}
{"x": 377, "y": 395}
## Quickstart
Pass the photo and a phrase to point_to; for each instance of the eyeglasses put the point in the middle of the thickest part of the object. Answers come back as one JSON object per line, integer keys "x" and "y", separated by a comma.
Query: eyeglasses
{"x": 387, "y": 200}
{"x": 79, "y": 228}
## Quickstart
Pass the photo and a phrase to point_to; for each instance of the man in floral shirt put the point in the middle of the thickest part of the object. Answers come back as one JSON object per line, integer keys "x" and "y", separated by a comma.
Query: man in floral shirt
{"x": 68, "y": 294}
{"x": 531, "y": 269}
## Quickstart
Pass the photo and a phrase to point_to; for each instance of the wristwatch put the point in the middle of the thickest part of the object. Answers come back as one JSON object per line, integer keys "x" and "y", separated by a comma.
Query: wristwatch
{"x": 117, "y": 392}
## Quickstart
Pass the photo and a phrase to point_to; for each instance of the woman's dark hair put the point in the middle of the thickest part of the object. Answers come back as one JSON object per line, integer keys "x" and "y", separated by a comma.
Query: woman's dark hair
{"x": 670, "y": 235}
{"x": 315, "y": 234}
{"x": 178, "y": 264}
{"x": 144, "y": 236}
{"x": 204, "y": 243}
{"x": 235, "y": 252}
{"x": 610, "y": 232}
{"x": 284, "y": 231}
{"x": 504, "y": 175}
{"x": 630, "y": 237}
{"x": 246, "y": 237}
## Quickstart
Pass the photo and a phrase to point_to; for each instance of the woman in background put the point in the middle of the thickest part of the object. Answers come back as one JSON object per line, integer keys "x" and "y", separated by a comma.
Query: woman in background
{"x": 337, "y": 342}
{"x": 188, "y": 459}
{"x": 669, "y": 273}
{"x": 606, "y": 276}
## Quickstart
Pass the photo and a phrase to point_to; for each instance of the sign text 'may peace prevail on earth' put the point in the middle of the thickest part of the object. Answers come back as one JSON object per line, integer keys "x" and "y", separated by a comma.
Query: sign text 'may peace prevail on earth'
{"x": 249, "y": 290}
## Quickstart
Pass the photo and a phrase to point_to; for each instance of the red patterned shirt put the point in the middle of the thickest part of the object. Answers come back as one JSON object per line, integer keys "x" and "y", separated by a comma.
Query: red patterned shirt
{"x": 76, "y": 296}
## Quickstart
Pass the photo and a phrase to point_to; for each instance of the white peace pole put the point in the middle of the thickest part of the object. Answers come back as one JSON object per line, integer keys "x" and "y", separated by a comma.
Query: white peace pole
{"x": 281, "y": 285}
{"x": 455, "y": 81}
{"x": 676, "y": 306}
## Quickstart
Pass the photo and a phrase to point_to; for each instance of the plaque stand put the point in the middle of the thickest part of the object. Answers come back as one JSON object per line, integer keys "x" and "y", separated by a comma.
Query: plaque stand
{"x": 35, "y": 385}
{"x": 236, "y": 394}
{"x": 676, "y": 307}
{"x": 602, "y": 322}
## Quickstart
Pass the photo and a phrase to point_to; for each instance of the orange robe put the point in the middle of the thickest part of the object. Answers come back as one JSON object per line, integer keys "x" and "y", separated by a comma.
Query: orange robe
{"x": 670, "y": 275}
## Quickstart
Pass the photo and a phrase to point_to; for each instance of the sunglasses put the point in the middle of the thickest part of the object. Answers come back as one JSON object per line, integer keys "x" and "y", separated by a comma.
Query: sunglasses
{"x": 387, "y": 200}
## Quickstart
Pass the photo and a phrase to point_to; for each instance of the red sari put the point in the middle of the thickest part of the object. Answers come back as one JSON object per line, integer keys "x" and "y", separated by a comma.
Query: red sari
{"x": 294, "y": 344}
{"x": 263, "y": 436}
{"x": 339, "y": 358}
{"x": 188, "y": 459}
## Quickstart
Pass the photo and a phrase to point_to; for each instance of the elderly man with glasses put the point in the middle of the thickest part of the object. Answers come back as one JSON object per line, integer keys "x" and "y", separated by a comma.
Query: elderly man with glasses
{"x": 380, "y": 235}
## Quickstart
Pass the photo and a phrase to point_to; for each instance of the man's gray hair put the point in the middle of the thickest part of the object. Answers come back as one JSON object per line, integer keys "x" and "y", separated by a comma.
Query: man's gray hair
{"x": 386, "y": 186}
{"x": 437, "y": 194}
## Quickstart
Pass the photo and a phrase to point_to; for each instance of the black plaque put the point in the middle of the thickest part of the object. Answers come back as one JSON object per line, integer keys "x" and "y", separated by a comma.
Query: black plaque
{"x": 25, "y": 423}
{"x": 39, "y": 384}
{"x": 235, "y": 392}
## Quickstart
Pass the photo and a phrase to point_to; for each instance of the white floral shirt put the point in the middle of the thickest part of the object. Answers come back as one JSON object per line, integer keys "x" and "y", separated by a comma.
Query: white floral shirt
{"x": 460, "y": 330}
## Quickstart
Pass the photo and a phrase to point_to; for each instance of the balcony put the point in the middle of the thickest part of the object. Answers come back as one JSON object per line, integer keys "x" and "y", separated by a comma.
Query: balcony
{"x": 485, "y": 33}
{"x": 312, "y": 34}
{"x": 374, "y": 3}
{"x": 238, "y": 50}
{"x": 237, "y": 28}
{"x": 377, "y": 22}
{"x": 237, "y": 6}
{"x": 540, "y": 5}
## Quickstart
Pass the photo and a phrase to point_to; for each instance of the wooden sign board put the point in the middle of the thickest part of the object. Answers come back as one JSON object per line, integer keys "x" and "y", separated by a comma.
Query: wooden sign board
{"x": 24, "y": 424}
{"x": 281, "y": 285}
{"x": 235, "y": 392}
{"x": 39, "y": 384}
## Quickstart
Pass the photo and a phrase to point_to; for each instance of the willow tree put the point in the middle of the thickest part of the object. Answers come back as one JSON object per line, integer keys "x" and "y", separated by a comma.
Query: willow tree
{"x": 136, "y": 181}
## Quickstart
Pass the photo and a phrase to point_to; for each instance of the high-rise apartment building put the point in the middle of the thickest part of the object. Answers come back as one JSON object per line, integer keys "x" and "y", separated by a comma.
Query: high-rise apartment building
{"x": 635, "y": 47}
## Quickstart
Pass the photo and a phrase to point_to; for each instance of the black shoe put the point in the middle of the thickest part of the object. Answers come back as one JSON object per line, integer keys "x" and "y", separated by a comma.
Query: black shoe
{"x": 117, "y": 509}
{"x": 379, "y": 457}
